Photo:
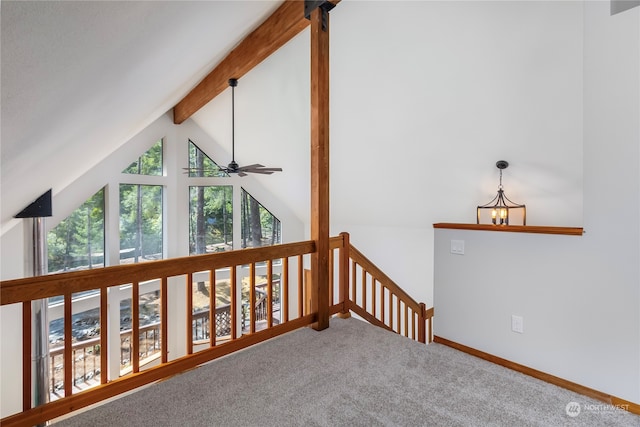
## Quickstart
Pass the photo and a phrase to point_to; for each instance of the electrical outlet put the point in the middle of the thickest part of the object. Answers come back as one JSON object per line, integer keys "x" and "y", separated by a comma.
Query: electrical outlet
{"x": 517, "y": 324}
{"x": 457, "y": 247}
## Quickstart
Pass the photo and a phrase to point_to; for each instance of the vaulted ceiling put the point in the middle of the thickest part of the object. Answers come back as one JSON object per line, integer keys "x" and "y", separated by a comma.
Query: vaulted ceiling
{"x": 81, "y": 78}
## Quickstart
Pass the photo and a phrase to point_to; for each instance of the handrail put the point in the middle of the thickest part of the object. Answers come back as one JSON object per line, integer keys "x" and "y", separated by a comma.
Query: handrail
{"x": 33, "y": 288}
{"x": 402, "y": 315}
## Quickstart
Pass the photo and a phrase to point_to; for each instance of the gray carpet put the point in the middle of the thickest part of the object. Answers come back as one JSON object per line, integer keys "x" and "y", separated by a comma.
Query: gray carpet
{"x": 352, "y": 374}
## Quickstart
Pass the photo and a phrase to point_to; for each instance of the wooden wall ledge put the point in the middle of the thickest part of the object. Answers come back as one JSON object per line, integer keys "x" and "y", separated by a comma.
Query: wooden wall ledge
{"x": 571, "y": 231}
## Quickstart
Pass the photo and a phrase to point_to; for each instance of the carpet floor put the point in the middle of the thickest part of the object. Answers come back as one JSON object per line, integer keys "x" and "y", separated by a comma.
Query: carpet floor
{"x": 352, "y": 374}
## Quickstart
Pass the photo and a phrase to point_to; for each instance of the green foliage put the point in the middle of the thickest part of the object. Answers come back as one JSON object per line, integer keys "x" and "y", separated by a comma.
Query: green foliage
{"x": 201, "y": 165}
{"x": 140, "y": 221}
{"x": 150, "y": 163}
{"x": 210, "y": 218}
{"x": 77, "y": 242}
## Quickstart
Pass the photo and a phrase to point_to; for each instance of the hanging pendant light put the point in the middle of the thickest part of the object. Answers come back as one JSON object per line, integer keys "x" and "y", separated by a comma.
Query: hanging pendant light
{"x": 502, "y": 209}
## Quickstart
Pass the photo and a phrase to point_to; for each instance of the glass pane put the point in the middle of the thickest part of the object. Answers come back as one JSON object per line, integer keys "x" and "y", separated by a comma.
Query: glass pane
{"x": 140, "y": 223}
{"x": 201, "y": 165}
{"x": 210, "y": 219}
{"x": 259, "y": 226}
{"x": 150, "y": 163}
{"x": 77, "y": 242}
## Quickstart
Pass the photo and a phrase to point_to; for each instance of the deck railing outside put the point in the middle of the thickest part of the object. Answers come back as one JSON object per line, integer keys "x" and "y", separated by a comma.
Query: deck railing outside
{"x": 356, "y": 285}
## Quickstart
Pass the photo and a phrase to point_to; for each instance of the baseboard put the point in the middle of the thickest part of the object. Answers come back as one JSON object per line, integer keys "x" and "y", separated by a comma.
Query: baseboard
{"x": 560, "y": 382}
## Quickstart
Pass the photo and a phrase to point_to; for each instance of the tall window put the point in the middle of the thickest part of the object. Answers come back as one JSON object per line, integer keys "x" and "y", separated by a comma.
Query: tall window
{"x": 141, "y": 210}
{"x": 77, "y": 242}
{"x": 140, "y": 223}
{"x": 259, "y": 226}
{"x": 210, "y": 219}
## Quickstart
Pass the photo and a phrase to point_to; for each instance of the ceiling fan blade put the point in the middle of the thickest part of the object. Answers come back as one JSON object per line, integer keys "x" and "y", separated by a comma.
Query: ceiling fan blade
{"x": 240, "y": 173}
{"x": 253, "y": 166}
{"x": 261, "y": 171}
{"x": 268, "y": 171}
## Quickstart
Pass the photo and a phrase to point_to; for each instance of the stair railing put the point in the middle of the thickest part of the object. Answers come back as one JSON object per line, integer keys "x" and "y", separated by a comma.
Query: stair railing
{"x": 368, "y": 292}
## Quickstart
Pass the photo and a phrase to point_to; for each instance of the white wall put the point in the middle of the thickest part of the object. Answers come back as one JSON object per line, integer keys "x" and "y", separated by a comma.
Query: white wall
{"x": 427, "y": 96}
{"x": 579, "y": 296}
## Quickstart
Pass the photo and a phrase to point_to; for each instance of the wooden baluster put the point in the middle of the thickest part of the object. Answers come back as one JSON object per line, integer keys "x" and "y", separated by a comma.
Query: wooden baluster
{"x": 189, "y": 325}
{"x": 26, "y": 355}
{"x": 373, "y": 296}
{"x": 284, "y": 290}
{"x": 343, "y": 291}
{"x": 331, "y": 274}
{"x": 84, "y": 363}
{"x": 164, "y": 320}
{"x": 353, "y": 282}
{"x": 300, "y": 287}
{"x": 68, "y": 354}
{"x": 252, "y": 298}
{"x": 234, "y": 309}
{"x": 391, "y": 309}
{"x": 135, "y": 325}
{"x": 364, "y": 289}
{"x": 398, "y": 316}
{"x": 212, "y": 308}
{"x": 413, "y": 325}
{"x": 269, "y": 293}
{"x": 382, "y": 292}
{"x": 104, "y": 336}
{"x": 406, "y": 320}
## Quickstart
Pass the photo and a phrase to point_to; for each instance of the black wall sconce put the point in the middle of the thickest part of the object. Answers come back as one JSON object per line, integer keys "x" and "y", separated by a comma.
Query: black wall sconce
{"x": 501, "y": 209}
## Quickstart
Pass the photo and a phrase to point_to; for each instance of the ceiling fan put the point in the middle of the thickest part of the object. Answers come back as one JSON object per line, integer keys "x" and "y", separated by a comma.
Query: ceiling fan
{"x": 233, "y": 166}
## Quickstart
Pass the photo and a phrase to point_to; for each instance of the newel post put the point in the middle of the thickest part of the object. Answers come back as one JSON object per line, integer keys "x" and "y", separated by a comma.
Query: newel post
{"x": 343, "y": 276}
{"x": 422, "y": 324}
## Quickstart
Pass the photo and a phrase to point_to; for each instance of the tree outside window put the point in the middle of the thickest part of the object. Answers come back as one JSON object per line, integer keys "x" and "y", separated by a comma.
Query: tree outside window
{"x": 77, "y": 242}
{"x": 140, "y": 223}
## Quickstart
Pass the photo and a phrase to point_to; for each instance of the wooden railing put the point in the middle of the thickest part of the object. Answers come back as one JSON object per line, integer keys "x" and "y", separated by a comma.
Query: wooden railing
{"x": 368, "y": 292}
{"x": 357, "y": 286}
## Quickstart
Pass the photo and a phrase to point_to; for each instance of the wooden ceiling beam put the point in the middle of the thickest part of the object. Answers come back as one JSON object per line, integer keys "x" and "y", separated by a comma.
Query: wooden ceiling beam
{"x": 284, "y": 24}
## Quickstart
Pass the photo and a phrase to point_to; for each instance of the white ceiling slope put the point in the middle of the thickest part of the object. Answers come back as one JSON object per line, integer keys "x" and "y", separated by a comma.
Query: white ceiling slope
{"x": 81, "y": 78}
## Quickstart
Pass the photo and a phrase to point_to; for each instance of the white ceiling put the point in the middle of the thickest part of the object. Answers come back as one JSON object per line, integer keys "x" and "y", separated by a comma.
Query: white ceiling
{"x": 81, "y": 78}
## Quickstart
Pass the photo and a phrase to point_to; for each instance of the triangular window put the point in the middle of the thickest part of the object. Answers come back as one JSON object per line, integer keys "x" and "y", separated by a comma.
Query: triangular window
{"x": 150, "y": 163}
{"x": 259, "y": 226}
{"x": 201, "y": 165}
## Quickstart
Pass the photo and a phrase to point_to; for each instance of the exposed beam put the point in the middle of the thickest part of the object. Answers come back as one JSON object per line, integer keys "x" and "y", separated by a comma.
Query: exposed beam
{"x": 284, "y": 24}
{"x": 320, "y": 166}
